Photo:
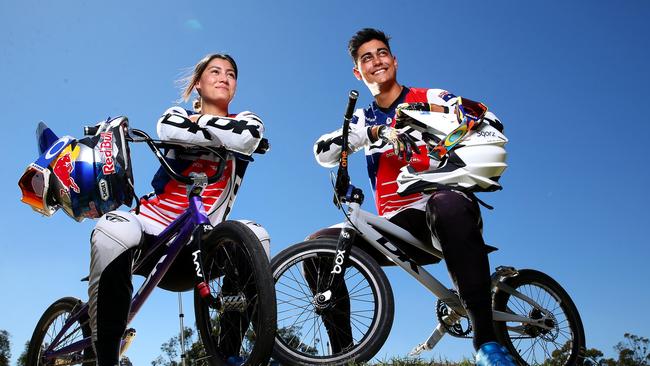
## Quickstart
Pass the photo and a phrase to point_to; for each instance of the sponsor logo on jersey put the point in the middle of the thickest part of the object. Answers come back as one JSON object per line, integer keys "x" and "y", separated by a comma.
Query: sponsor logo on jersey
{"x": 106, "y": 151}
{"x": 445, "y": 95}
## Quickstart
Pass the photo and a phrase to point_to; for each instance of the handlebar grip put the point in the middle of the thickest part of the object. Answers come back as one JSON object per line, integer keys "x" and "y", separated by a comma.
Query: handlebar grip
{"x": 352, "y": 101}
{"x": 90, "y": 130}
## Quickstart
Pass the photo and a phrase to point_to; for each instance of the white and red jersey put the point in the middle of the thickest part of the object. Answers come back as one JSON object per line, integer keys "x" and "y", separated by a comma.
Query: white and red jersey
{"x": 169, "y": 198}
{"x": 383, "y": 164}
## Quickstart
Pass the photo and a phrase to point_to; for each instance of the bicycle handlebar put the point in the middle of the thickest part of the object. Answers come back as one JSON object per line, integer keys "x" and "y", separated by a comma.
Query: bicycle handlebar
{"x": 136, "y": 135}
{"x": 262, "y": 147}
{"x": 156, "y": 145}
{"x": 342, "y": 177}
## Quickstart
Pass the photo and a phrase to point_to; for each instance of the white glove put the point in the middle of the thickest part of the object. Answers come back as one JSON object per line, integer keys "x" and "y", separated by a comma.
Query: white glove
{"x": 248, "y": 117}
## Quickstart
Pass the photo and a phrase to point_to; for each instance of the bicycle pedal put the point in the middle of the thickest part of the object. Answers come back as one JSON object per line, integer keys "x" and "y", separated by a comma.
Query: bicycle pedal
{"x": 127, "y": 338}
{"x": 418, "y": 349}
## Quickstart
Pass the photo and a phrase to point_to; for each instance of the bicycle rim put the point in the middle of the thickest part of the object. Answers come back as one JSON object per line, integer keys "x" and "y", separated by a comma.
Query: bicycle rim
{"x": 301, "y": 323}
{"x": 535, "y": 345}
{"x": 74, "y": 334}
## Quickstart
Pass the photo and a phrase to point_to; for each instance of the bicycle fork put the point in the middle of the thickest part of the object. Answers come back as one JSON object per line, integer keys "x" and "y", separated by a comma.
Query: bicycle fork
{"x": 220, "y": 302}
{"x": 337, "y": 273}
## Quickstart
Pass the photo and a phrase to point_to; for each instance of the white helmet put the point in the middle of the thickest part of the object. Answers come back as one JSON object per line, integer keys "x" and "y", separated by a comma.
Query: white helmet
{"x": 475, "y": 164}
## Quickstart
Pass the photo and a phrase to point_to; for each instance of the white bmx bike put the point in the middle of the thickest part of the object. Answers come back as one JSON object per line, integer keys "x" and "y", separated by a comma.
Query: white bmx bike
{"x": 335, "y": 305}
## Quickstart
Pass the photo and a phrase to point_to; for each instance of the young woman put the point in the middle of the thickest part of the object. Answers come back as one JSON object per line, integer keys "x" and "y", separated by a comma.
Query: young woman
{"x": 118, "y": 234}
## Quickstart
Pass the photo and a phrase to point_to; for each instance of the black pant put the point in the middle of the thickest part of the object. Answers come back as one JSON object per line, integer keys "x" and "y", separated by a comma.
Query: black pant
{"x": 455, "y": 220}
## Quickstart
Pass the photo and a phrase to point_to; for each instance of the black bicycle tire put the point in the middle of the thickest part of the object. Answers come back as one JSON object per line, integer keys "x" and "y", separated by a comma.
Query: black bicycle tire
{"x": 381, "y": 326}
{"x": 537, "y": 278}
{"x": 265, "y": 331}
{"x": 60, "y": 306}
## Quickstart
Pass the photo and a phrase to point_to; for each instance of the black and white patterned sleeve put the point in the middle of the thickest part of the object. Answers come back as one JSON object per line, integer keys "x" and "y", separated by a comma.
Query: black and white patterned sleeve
{"x": 241, "y": 134}
{"x": 327, "y": 148}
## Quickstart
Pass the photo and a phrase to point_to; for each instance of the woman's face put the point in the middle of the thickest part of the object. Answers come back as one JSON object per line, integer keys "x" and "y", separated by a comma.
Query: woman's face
{"x": 217, "y": 84}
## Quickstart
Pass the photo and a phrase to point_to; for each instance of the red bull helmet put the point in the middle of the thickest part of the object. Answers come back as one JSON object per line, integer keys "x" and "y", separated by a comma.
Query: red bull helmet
{"x": 86, "y": 178}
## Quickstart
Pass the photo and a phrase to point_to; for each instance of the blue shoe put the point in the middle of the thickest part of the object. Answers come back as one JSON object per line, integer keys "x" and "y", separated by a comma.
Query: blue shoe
{"x": 235, "y": 361}
{"x": 493, "y": 354}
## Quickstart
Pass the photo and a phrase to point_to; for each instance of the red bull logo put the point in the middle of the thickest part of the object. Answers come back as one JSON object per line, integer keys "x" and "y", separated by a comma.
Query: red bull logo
{"x": 106, "y": 150}
{"x": 62, "y": 168}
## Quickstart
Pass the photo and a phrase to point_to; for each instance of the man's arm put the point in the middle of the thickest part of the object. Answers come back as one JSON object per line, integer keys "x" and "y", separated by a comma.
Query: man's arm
{"x": 327, "y": 148}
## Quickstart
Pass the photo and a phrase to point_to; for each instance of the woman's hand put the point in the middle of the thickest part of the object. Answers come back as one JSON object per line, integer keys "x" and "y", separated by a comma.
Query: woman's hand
{"x": 248, "y": 117}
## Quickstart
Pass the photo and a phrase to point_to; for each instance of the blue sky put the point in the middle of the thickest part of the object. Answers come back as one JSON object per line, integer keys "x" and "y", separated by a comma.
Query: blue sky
{"x": 568, "y": 80}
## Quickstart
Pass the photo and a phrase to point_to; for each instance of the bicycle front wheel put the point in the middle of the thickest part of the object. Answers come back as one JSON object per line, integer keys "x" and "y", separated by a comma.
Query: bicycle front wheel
{"x": 48, "y": 330}
{"x": 349, "y": 327}
{"x": 561, "y": 339}
{"x": 241, "y": 328}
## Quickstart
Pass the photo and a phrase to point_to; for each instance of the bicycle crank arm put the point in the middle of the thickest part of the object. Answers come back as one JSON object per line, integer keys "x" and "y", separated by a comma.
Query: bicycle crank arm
{"x": 127, "y": 339}
{"x": 434, "y": 338}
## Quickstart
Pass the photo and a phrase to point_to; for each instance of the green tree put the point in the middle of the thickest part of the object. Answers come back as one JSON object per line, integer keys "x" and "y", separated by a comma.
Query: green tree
{"x": 22, "y": 359}
{"x": 194, "y": 351}
{"x": 559, "y": 356}
{"x": 5, "y": 348}
{"x": 291, "y": 336}
{"x": 633, "y": 351}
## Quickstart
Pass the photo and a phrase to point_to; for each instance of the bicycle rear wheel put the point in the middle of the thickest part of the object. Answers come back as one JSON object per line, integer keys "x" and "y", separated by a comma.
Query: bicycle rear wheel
{"x": 49, "y": 327}
{"x": 349, "y": 327}
{"x": 560, "y": 342}
{"x": 239, "y": 275}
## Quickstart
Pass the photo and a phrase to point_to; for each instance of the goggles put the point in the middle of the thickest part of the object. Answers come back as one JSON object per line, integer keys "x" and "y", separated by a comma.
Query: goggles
{"x": 469, "y": 114}
{"x": 469, "y": 111}
{"x": 35, "y": 182}
{"x": 34, "y": 185}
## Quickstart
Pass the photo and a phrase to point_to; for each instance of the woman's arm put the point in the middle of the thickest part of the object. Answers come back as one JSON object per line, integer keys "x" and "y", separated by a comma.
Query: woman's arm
{"x": 241, "y": 133}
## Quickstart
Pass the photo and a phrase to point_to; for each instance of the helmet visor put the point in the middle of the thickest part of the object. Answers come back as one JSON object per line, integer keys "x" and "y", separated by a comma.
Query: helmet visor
{"x": 34, "y": 185}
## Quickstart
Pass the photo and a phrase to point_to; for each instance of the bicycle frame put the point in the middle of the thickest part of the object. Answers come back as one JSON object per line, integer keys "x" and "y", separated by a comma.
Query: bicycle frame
{"x": 178, "y": 234}
{"x": 186, "y": 229}
{"x": 364, "y": 223}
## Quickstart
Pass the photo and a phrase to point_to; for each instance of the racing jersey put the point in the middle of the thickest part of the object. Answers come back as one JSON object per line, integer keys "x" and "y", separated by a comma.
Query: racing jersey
{"x": 169, "y": 198}
{"x": 383, "y": 165}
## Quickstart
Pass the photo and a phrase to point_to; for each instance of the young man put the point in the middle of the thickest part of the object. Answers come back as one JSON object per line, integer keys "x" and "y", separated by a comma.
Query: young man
{"x": 452, "y": 216}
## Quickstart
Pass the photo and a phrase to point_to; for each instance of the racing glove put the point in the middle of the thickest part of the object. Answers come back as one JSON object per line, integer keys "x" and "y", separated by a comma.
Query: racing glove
{"x": 402, "y": 119}
{"x": 403, "y": 144}
{"x": 249, "y": 117}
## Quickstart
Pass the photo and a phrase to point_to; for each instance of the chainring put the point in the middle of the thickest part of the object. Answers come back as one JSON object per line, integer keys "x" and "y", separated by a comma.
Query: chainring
{"x": 459, "y": 329}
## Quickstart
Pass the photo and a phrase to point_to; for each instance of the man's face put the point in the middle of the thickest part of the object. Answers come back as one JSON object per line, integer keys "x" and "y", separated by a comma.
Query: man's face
{"x": 375, "y": 64}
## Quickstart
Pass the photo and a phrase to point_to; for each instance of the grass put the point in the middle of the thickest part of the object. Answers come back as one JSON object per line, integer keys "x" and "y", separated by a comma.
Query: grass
{"x": 417, "y": 361}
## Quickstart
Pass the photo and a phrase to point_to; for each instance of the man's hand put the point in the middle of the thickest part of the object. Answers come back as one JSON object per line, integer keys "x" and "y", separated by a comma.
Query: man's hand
{"x": 402, "y": 119}
{"x": 403, "y": 144}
